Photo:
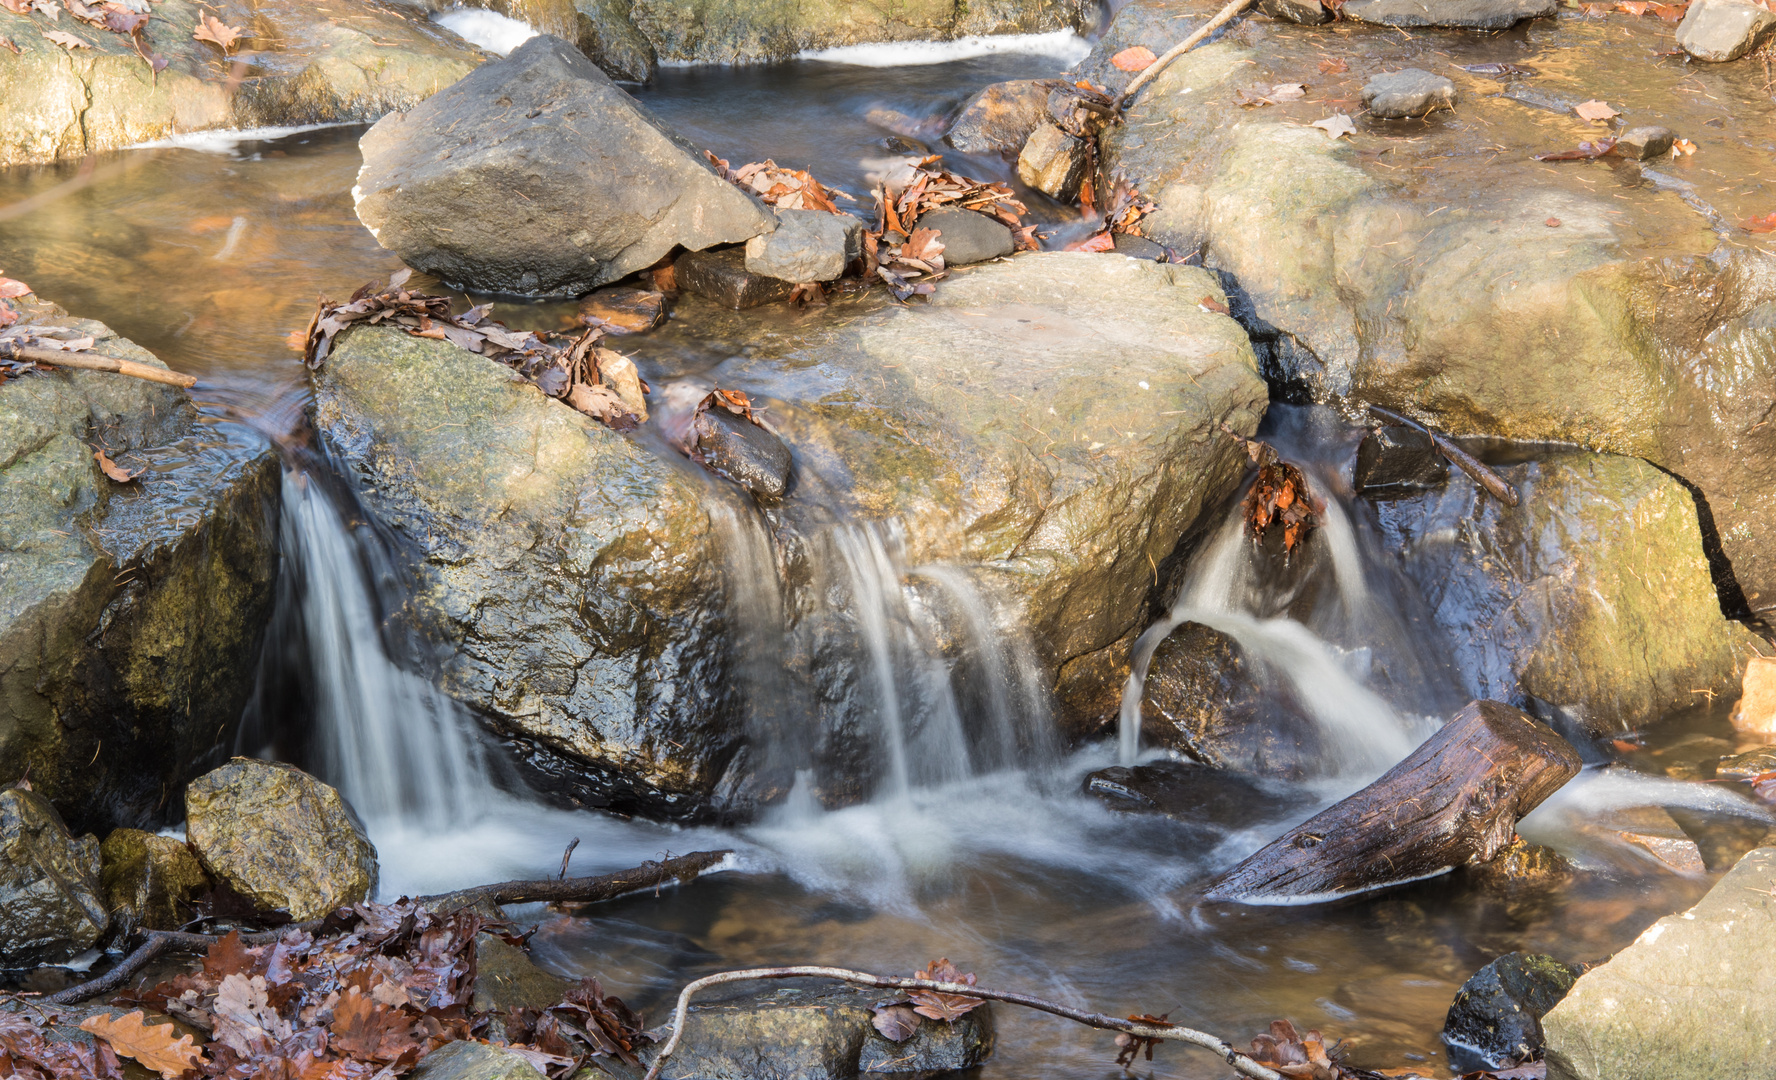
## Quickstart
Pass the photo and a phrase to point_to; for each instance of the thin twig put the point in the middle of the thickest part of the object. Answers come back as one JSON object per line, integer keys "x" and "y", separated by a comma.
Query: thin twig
{"x": 1234, "y": 7}
{"x": 1172, "y": 1032}
{"x": 98, "y": 362}
{"x": 156, "y": 944}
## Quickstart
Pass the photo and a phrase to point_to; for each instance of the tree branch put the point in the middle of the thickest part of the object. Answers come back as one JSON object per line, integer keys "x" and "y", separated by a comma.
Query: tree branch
{"x": 1170, "y": 1032}
{"x": 1233, "y": 8}
{"x": 100, "y": 362}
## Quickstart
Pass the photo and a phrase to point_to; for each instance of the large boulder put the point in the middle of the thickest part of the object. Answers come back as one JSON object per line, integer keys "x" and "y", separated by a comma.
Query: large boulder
{"x": 130, "y": 614}
{"x": 149, "y": 880}
{"x": 818, "y": 1033}
{"x": 280, "y": 838}
{"x": 538, "y": 175}
{"x": 1590, "y": 601}
{"x": 1693, "y": 997}
{"x": 50, "y": 908}
{"x": 1529, "y": 307}
{"x": 578, "y": 573}
{"x": 352, "y": 62}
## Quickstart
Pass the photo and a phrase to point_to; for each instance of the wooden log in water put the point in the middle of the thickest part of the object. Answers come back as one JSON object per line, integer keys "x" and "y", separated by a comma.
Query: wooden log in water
{"x": 1455, "y": 800}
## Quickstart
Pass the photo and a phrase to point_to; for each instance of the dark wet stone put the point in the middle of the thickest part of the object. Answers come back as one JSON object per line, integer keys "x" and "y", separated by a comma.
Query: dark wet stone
{"x": 149, "y": 879}
{"x": 624, "y": 310}
{"x": 280, "y": 838}
{"x": 1645, "y": 143}
{"x": 1521, "y": 868}
{"x": 1408, "y": 92}
{"x": 1746, "y": 766}
{"x": 1722, "y": 30}
{"x": 1398, "y": 458}
{"x": 1306, "y": 12}
{"x": 968, "y": 237}
{"x": 817, "y": 1033}
{"x": 1000, "y": 118}
{"x": 50, "y": 904}
{"x": 507, "y": 978}
{"x": 1205, "y": 699}
{"x": 1495, "y": 1021}
{"x": 1139, "y": 247}
{"x": 1466, "y": 14}
{"x": 1191, "y": 793}
{"x": 807, "y": 245}
{"x": 723, "y": 277}
{"x": 1054, "y": 162}
{"x": 607, "y": 190}
{"x": 744, "y": 452}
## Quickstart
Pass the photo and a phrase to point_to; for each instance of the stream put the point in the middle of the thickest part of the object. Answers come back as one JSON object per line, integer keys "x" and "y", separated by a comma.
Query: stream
{"x": 980, "y": 843}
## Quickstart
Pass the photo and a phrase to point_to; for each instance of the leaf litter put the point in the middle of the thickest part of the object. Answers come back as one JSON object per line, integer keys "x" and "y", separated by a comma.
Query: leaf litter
{"x": 124, "y": 17}
{"x": 897, "y": 1020}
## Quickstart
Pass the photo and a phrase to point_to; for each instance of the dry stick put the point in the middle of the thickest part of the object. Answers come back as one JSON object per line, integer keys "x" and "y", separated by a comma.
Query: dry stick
{"x": 97, "y": 362}
{"x": 1234, "y": 7}
{"x": 1494, "y": 484}
{"x": 575, "y": 890}
{"x": 1171, "y": 1032}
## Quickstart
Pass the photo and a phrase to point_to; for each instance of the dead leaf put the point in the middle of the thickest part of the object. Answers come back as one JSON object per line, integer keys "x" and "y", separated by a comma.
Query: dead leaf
{"x": 1765, "y": 224}
{"x": 1292, "y": 91}
{"x": 66, "y": 40}
{"x": 118, "y": 473}
{"x": 1333, "y": 65}
{"x": 9, "y": 45}
{"x": 1337, "y": 124}
{"x": 1134, "y": 58}
{"x": 245, "y": 1020}
{"x": 896, "y": 1022}
{"x": 1669, "y": 12}
{"x": 1636, "y": 8}
{"x": 122, "y": 20}
{"x": 1552, "y": 223}
{"x": 1682, "y": 148}
{"x": 1210, "y": 304}
{"x": 936, "y": 1004}
{"x": 1594, "y": 111}
{"x": 215, "y": 31}
{"x": 152, "y": 1047}
{"x": 923, "y": 245}
{"x": 1097, "y": 242}
{"x": 1130, "y": 1046}
{"x": 11, "y": 287}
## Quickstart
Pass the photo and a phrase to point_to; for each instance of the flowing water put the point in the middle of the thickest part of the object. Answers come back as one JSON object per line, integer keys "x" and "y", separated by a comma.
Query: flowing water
{"x": 976, "y": 840}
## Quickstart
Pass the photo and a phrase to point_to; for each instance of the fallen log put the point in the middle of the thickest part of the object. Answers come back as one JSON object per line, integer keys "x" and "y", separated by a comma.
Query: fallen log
{"x": 1455, "y": 800}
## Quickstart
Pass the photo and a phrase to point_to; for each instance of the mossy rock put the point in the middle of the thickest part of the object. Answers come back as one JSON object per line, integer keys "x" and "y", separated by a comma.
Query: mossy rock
{"x": 148, "y": 879}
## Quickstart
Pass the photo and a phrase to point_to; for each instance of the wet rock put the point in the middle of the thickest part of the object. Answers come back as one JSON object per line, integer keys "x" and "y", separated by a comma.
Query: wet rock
{"x": 601, "y": 29}
{"x": 1306, "y": 12}
{"x": 743, "y": 452}
{"x": 1723, "y": 30}
{"x": 1407, "y": 92}
{"x": 1747, "y": 766}
{"x": 1397, "y": 458}
{"x": 1466, "y": 14}
{"x": 599, "y": 173}
{"x": 1756, "y": 712}
{"x": 147, "y": 878}
{"x": 1191, "y": 793}
{"x": 723, "y": 277}
{"x": 624, "y": 310}
{"x": 506, "y": 978}
{"x": 50, "y": 905}
{"x": 540, "y": 531}
{"x": 1000, "y": 118}
{"x": 469, "y": 1060}
{"x": 280, "y": 838}
{"x": 1693, "y": 997}
{"x": 807, "y": 245}
{"x": 618, "y": 373}
{"x": 1522, "y": 868}
{"x": 968, "y": 237}
{"x": 1139, "y": 247}
{"x": 817, "y": 1032}
{"x": 1054, "y": 162}
{"x": 351, "y": 63}
{"x": 1590, "y": 603}
{"x": 130, "y": 616}
{"x": 1653, "y": 831}
{"x": 1645, "y": 143}
{"x": 1495, "y": 1021}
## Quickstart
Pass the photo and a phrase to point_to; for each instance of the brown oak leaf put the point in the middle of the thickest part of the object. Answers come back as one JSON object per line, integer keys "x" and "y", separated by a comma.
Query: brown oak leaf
{"x": 215, "y": 31}
{"x": 152, "y": 1047}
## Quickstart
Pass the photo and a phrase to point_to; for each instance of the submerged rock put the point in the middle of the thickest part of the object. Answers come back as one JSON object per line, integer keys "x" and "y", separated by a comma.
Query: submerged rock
{"x": 1054, "y": 162}
{"x": 537, "y": 175}
{"x": 50, "y": 905}
{"x": 130, "y": 614}
{"x": 1495, "y": 1020}
{"x": 1590, "y": 602}
{"x": 968, "y": 237}
{"x": 1192, "y": 794}
{"x": 817, "y": 1032}
{"x": 1397, "y": 459}
{"x": 1653, "y": 831}
{"x": 624, "y": 310}
{"x": 1747, "y": 766}
{"x": 1407, "y": 92}
{"x": 280, "y": 838}
{"x": 723, "y": 277}
{"x": 744, "y": 452}
{"x": 1693, "y": 998}
{"x": 352, "y": 62}
{"x": 1000, "y": 118}
{"x": 148, "y": 880}
{"x": 1306, "y": 12}
{"x": 577, "y": 573}
{"x": 1464, "y": 14}
{"x": 1723, "y": 30}
{"x": 807, "y": 245}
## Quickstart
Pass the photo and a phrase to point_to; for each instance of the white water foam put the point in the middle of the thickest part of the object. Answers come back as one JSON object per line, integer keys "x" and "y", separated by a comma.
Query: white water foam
{"x": 490, "y": 30}
{"x": 1061, "y": 44}
{"x": 226, "y": 140}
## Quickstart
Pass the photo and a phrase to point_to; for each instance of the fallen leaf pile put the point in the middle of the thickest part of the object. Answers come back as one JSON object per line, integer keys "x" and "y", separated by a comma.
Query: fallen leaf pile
{"x": 897, "y": 1020}
{"x": 1279, "y": 495}
{"x": 910, "y": 267}
{"x": 566, "y": 369}
{"x": 123, "y": 17}
{"x": 1127, "y": 207}
{"x": 786, "y": 189}
{"x": 13, "y": 337}
{"x": 686, "y": 435}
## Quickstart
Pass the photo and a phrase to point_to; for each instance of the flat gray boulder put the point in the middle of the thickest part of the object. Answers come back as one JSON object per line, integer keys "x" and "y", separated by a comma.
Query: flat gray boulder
{"x": 1694, "y": 998}
{"x": 1722, "y": 30}
{"x": 1465, "y": 14}
{"x": 536, "y": 175}
{"x": 1408, "y": 92}
{"x": 808, "y": 245}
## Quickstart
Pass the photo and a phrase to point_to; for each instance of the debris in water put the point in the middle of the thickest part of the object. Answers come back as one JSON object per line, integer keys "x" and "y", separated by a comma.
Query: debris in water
{"x": 1279, "y": 494}
{"x": 1134, "y": 58}
{"x": 216, "y": 32}
{"x": 1494, "y": 484}
{"x": 1496, "y": 69}
{"x": 938, "y": 1006}
{"x": 1595, "y": 111}
{"x": 113, "y": 469}
{"x": 1587, "y": 151}
{"x": 787, "y": 189}
{"x": 1336, "y": 125}
{"x": 1764, "y": 224}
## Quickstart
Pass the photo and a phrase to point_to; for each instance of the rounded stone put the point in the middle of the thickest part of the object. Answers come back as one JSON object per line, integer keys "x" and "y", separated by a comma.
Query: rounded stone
{"x": 146, "y": 878}
{"x": 1409, "y": 92}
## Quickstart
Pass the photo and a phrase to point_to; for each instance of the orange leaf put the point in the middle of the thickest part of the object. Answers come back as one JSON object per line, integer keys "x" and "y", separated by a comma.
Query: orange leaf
{"x": 1594, "y": 111}
{"x": 1636, "y": 8}
{"x": 1764, "y": 224}
{"x": 1209, "y": 303}
{"x": 10, "y": 288}
{"x": 214, "y": 30}
{"x": 1552, "y": 223}
{"x": 923, "y": 245}
{"x": 1682, "y": 146}
{"x": 1101, "y": 242}
{"x": 152, "y": 1047}
{"x": 1333, "y": 65}
{"x": 118, "y": 473}
{"x": 1134, "y": 58}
